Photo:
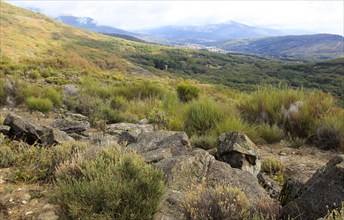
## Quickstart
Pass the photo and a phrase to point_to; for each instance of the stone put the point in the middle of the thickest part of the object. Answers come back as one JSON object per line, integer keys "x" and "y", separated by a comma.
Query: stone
{"x": 50, "y": 215}
{"x": 75, "y": 117}
{"x": 23, "y": 130}
{"x": 324, "y": 191}
{"x": 177, "y": 142}
{"x": 290, "y": 190}
{"x": 239, "y": 151}
{"x": 270, "y": 186}
{"x": 70, "y": 126}
{"x": 127, "y": 133}
{"x": 184, "y": 171}
{"x": 4, "y": 129}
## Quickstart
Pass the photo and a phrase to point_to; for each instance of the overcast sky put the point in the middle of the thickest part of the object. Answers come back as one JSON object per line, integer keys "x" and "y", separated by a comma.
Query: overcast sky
{"x": 314, "y": 16}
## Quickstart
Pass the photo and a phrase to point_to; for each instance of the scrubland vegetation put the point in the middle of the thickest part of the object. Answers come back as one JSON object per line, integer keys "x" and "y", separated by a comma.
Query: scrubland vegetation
{"x": 91, "y": 74}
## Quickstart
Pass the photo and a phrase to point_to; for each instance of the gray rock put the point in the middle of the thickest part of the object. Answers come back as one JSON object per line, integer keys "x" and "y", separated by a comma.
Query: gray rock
{"x": 185, "y": 171}
{"x": 23, "y": 130}
{"x": 239, "y": 151}
{"x": 70, "y": 126}
{"x": 75, "y": 117}
{"x": 49, "y": 215}
{"x": 127, "y": 133}
{"x": 177, "y": 142}
{"x": 271, "y": 187}
{"x": 290, "y": 190}
{"x": 320, "y": 193}
{"x": 4, "y": 129}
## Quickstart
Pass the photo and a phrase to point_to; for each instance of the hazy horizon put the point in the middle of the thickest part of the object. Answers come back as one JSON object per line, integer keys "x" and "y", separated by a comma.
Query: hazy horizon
{"x": 308, "y": 16}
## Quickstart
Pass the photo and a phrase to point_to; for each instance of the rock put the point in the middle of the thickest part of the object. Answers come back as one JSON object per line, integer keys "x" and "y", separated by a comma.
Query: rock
{"x": 290, "y": 190}
{"x": 4, "y": 129}
{"x": 75, "y": 117}
{"x": 50, "y": 215}
{"x": 78, "y": 137}
{"x": 55, "y": 136}
{"x": 23, "y": 130}
{"x": 127, "y": 133}
{"x": 239, "y": 151}
{"x": 177, "y": 142}
{"x": 70, "y": 126}
{"x": 143, "y": 121}
{"x": 270, "y": 186}
{"x": 29, "y": 213}
{"x": 320, "y": 193}
{"x": 185, "y": 171}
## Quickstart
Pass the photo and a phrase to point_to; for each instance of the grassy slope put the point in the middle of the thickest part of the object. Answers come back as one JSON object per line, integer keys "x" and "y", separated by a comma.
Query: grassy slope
{"x": 34, "y": 39}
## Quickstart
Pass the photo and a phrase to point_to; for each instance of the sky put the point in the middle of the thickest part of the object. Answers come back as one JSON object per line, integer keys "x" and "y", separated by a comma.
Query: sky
{"x": 312, "y": 16}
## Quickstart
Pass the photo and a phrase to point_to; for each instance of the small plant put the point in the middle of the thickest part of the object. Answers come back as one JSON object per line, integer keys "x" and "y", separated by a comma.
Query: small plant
{"x": 329, "y": 132}
{"x": 113, "y": 184}
{"x": 205, "y": 142}
{"x": 336, "y": 214}
{"x": 202, "y": 116}
{"x": 271, "y": 134}
{"x": 39, "y": 104}
{"x": 53, "y": 95}
{"x": 187, "y": 92}
{"x": 223, "y": 202}
{"x": 271, "y": 166}
{"x": 159, "y": 117}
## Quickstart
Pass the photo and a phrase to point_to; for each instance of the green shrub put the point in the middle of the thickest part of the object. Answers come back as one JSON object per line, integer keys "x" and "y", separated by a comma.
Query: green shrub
{"x": 39, "y": 104}
{"x": 140, "y": 90}
{"x": 187, "y": 92}
{"x": 329, "y": 132}
{"x": 34, "y": 74}
{"x": 3, "y": 94}
{"x": 223, "y": 202}
{"x": 271, "y": 166}
{"x": 233, "y": 123}
{"x": 112, "y": 185}
{"x": 108, "y": 114}
{"x": 159, "y": 117}
{"x": 205, "y": 142}
{"x": 53, "y": 95}
{"x": 271, "y": 134}
{"x": 8, "y": 154}
{"x": 34, "y": 163}
{"x": 202, "y": 116}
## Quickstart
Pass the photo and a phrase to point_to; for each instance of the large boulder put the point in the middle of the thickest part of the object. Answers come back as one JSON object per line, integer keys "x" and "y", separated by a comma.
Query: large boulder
{"x": 322, "y": 192}
{"x": 239, "y": 151}
{"x": 184, "y": 172}
{"x": 127, "y": 133}
{"x": 155, "y": 146}
{"x": 23, "y": 130}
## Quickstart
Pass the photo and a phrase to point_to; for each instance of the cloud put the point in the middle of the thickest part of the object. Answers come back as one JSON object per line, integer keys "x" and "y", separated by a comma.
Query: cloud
{"x": 316, "y": 16}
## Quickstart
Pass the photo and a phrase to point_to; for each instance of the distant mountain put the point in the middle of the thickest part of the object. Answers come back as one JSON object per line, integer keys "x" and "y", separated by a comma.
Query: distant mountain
{"x": 317, "y": 46}
{"x": 210, "y": 33}
{"x": 91, "y": 25}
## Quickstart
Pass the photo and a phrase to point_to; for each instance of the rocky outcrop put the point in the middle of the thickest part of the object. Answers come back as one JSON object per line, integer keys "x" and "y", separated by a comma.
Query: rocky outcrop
{"x": 322, "y": 192}
{"x": 155, "y": 146}
{"x": 23, "y": 130}
{"x": 239, "y": 151}
{"x": 4, "y": 129}
{"x": 71, "y": 126}
{"x": 185, "y": 168}
{"x": 128, "y": 133}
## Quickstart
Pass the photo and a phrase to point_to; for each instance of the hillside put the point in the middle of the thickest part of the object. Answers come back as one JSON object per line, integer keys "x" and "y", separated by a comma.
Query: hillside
{"x": 306, "y": 47}
{"x": 96, "y": 126}
{"x": 29, "y": 38}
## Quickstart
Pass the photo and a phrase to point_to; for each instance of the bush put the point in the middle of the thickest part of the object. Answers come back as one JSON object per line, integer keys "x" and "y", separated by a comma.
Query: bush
{"x": 223, "y": 202}
{"x": 34, "y": 163}
{"x": 271, "y": 134}
{"x": 202, "y": 116}
{"x": 140, "y": 90}
{"x": 329, "y": 132}
{"x": 108, "y": 114}
{"x": 205, "y": 142}
{"x": 187, "y": 92}
{"x": 39, "y": 104}
{"x": 271, "y": 166}
{"x": 159, "y": 117}
{"x": 53, "y": 95}
{"x": 8, "y": 154}
{"x": 112, "y": 185}
{"x": 233, "y": 123}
